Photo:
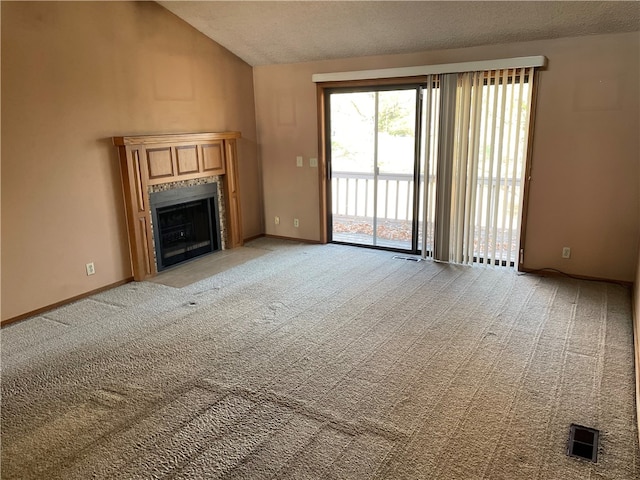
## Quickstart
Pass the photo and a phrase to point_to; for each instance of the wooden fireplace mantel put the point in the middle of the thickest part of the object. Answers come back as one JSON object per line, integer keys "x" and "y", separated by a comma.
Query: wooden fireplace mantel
{"x": 155, "y": 159}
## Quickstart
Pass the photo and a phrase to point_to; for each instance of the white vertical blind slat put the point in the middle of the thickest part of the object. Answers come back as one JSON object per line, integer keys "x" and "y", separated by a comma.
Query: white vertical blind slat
{"x": 501, "y": 86}
{"x": 490, "y": 189}
{"x": 474, "y": 154}
{"x": 426, "y": 168}
{"x": 506, "y": 251}
{"x": 433, "y": 156}
{"x": 459, "y": 162}
{"x": 483, "y": 192}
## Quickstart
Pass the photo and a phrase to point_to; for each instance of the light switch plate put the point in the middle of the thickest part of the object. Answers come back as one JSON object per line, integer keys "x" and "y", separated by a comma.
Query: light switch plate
{"x": 313, "y": 162}
{"x": 299, "y": 161}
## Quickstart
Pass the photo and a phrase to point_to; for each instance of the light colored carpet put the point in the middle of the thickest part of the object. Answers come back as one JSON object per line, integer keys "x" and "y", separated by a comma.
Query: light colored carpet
{"x": 324, "y": 361}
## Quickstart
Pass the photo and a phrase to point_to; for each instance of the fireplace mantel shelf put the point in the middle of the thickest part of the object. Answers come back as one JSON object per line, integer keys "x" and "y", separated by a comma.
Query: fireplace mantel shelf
{"x": 173, "y": 138}
{"x": 156, "y": 159}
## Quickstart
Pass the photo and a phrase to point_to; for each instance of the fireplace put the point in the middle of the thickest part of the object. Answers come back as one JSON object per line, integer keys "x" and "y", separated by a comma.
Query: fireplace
{"x": 150, "y": 164}
{"x": 186, "y": 223}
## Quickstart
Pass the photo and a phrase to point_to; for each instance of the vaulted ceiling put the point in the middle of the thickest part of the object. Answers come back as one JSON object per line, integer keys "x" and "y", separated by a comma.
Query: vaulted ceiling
{"x": 265, "y": 32}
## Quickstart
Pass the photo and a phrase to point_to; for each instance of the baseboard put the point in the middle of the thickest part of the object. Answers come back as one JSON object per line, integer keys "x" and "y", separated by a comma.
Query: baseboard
{"x": 636, "y": 349}
{"x": 255, "y": 237}
{"x": 558, "y": 273}
{"x": 64, "y": 302}
{"x": 293, "y": 239}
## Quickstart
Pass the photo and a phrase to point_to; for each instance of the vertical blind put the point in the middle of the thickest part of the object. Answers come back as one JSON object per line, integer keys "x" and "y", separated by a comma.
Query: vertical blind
{"x": 475, "y": 128}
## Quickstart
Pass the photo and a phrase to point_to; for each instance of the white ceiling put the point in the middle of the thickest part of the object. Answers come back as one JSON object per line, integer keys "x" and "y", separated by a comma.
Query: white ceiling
{"x": 265, "y": 32}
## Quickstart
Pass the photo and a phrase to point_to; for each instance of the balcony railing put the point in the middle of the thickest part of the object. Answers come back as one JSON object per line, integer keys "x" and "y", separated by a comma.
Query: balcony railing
{"x": 353, "y": 210}
{"x": 353, "y": 195}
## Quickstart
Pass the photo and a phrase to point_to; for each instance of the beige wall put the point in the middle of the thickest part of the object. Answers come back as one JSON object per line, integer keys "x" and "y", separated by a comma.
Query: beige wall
{"x": 585, "y": 152}
{"x": 74, "y": 75}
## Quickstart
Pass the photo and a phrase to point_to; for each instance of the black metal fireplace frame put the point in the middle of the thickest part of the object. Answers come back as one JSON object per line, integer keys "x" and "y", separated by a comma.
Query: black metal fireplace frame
{"x": 179, "y": 196}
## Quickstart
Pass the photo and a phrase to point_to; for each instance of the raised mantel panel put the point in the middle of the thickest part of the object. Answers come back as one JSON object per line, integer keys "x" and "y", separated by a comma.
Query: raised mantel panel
{"x": 213, "y": 158}
{"x": 137, "y": 180}
{"x": 154, "y": 159}
{"x": 187, "y": 159}
{"x": 159, "y": 163}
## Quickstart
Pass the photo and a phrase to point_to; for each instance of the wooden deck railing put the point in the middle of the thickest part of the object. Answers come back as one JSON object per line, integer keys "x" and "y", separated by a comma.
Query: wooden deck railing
{"x": 353, "y": 198}
{"x": 353, "y": 194}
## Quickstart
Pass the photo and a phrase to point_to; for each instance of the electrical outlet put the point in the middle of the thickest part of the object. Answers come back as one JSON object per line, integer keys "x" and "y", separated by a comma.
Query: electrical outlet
{"x": 296, "y": 223}
{"x": 91, "y": 269}
{"x": 277, "y": 221}
{"x": 566, "y": 252}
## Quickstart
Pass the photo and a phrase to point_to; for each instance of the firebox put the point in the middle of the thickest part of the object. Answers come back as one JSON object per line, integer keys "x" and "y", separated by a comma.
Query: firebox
{"x": 186, "y": 223}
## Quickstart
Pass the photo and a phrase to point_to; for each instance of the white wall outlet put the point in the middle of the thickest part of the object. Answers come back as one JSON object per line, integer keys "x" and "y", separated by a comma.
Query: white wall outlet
{"x": 299, "y": 161}
{"x": 566, "y": 252}
{"x": 313, "y": 162}
{"x": 91, "y": 269}
{"x": 296, "y": 222}
{"x": 277, "y": 221}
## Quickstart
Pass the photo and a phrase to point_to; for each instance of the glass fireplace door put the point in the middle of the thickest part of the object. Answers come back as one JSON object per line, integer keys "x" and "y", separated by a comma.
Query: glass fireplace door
{"x": 186, "y": 223}
{"x": 184, "y": 232}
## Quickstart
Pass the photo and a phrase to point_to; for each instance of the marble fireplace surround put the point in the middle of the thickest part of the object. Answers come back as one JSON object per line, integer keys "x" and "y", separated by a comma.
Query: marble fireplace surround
{"x": 151, "y": 163}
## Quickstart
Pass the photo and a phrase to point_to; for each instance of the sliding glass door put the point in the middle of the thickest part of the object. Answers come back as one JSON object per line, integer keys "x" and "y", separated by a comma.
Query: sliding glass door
{"x": 373, "y": 164}
{"x": 437, "y": 168}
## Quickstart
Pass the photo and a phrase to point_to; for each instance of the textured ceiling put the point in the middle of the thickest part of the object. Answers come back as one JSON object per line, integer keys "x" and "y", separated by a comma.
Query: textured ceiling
{"x": 263, "y": 33}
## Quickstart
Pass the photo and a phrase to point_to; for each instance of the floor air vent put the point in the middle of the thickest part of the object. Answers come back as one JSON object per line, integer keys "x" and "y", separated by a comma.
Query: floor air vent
{"x": 583, "y": 442}
{"x": 411, "y": 259}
